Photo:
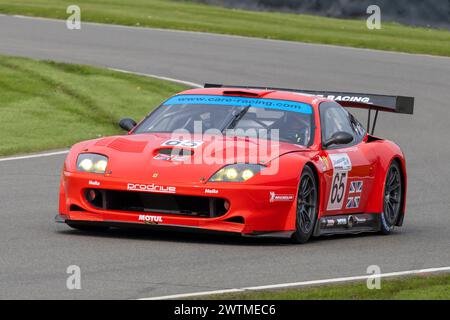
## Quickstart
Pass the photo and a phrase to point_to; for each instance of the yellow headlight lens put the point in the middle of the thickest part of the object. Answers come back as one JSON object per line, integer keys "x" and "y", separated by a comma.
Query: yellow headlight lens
{"x": 238, "y": 172}
{"x": 86, "y": 164}
{"x": 231, "y": 173}
{"x": 101, "y": 165}
{"x": 247, "y": 174}
{"x": 92, "y": 162}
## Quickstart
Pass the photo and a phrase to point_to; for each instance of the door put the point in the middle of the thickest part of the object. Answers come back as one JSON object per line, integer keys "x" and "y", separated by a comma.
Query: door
{"x": 349, "y": 173}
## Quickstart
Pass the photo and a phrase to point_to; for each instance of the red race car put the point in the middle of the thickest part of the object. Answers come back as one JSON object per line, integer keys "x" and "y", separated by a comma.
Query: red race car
{"x": 244, "y": 160}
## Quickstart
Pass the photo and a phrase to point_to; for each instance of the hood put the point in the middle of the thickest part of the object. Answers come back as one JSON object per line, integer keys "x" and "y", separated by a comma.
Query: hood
{"x": 188, "y": 159}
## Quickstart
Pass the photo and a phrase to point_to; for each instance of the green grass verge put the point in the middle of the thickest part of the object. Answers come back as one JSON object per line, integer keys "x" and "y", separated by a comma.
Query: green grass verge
{"x": 416, "y": 288}
{"x": 184, "y": 15}
{"x": 47, "y": 105}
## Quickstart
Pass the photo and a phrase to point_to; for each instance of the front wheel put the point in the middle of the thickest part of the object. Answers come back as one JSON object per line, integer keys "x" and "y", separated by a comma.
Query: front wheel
{"x": 307, "y": 207}
{"x": 392, "y": 201}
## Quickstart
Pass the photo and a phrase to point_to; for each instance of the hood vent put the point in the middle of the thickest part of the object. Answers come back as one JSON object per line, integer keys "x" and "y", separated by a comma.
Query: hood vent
{"x": 175, "y": 152}
{"x": 125, "y": 145}
{"x": 241, "y": 93}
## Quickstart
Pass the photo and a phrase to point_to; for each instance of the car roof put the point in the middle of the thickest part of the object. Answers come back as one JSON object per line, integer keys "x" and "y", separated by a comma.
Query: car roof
{"x": 259, "y": 93}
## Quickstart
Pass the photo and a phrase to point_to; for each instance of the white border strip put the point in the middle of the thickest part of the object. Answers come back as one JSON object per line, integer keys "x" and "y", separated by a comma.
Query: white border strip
{"x": 301, "y": 284}
{"x": 38, "y": 155}
{"x": 187, "y": 83}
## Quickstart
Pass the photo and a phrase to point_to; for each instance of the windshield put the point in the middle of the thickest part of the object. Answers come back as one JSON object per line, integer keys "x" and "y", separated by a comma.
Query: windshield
{"x": 288, "y": 121}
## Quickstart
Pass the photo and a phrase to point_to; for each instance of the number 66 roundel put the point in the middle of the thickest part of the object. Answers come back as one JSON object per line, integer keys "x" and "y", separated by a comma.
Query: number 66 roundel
{"x": 341, "y": 167}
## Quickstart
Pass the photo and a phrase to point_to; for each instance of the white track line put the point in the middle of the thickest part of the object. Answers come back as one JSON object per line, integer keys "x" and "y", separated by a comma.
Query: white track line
{"x": 31, "y": 156}
{"x": 300, "y": 284}
{"x": 188, "y": 83}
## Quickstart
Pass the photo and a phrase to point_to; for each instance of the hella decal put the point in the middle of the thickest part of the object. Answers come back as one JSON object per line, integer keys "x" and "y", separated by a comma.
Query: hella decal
{"x": 151, "y": 188}
{"x": 94, "y": 183}
{"x": 280, "y": 197}
{"x": 211, "y": 191}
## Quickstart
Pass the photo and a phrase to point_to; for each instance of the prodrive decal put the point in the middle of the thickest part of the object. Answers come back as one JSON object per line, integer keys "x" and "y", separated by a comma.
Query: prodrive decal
{"x": 151, "y": 188}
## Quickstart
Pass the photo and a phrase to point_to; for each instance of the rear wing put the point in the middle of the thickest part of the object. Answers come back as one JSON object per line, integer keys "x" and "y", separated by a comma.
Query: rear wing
{"x": 377, "y": 102}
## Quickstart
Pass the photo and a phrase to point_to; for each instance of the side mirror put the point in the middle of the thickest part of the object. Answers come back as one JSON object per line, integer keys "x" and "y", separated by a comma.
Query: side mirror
{"x": 127, "y": 124}
{"x": 337, "y": 138}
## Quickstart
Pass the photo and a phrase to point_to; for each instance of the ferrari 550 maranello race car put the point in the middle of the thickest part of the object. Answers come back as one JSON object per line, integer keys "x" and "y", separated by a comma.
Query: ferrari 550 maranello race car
{"x": 244, "y": 160}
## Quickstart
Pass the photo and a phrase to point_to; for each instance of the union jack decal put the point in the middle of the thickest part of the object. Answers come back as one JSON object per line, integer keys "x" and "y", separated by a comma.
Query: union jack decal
{"x": 353, "y": 202}
{"x": 356, "y": 187}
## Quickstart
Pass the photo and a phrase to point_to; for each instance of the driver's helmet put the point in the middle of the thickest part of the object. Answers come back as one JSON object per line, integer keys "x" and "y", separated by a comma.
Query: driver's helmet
{"x": 296, "y": 128}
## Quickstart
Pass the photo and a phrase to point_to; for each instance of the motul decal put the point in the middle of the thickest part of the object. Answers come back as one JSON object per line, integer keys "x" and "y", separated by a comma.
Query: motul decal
{"x": 150, "y": 219}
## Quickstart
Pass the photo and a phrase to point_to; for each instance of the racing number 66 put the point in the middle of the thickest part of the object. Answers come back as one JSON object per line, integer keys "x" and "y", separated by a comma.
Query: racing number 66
{"x": 337, "y": 192}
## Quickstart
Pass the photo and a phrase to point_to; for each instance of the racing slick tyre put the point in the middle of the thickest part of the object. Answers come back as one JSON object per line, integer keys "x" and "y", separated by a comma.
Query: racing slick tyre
{"x": 85, "y": 227}
{"x": 392, "y": 201}
{"x": 307, "y": 206}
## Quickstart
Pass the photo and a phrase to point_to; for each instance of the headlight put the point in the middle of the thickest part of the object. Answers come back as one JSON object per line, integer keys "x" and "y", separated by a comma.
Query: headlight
{"x": 236, "y": 173}
{"x": 92, "y": 162}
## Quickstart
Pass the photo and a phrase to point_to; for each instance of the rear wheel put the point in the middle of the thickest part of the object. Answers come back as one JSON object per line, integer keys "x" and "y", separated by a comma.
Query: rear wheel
{"x": 392, "y": 201}
{"x": 87, "y": 227}
{"x": 306, "y": 207}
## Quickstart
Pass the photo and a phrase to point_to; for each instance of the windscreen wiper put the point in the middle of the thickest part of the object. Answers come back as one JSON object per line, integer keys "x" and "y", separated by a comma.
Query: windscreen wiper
{"x": 236, "y": 118}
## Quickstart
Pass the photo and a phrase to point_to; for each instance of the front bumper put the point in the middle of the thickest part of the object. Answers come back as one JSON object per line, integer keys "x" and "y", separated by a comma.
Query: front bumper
{"x": 253, "y": 210}
{"x": 177, "y": 228}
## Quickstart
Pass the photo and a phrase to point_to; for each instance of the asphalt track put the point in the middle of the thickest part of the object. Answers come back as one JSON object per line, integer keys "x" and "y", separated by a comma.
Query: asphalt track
{"x": 34, "y": 252}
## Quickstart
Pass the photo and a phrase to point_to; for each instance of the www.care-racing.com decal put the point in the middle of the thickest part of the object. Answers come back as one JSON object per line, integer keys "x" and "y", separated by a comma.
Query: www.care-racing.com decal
{"x": 342, "y": 165}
